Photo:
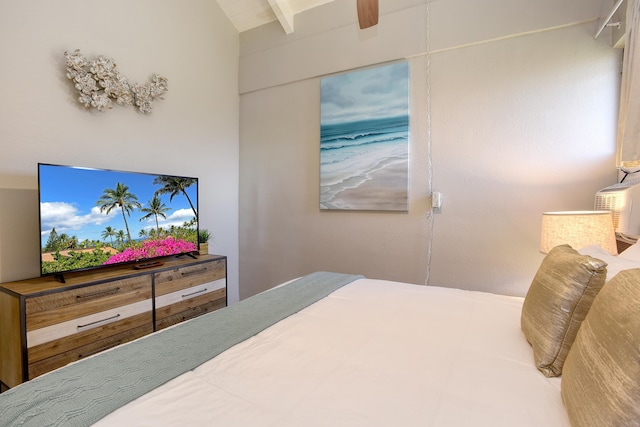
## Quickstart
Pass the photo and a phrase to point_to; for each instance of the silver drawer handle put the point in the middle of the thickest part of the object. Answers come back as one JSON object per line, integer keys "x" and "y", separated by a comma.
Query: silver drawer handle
{"x": 108, "y": 319}
{"x": 194, "y": 293}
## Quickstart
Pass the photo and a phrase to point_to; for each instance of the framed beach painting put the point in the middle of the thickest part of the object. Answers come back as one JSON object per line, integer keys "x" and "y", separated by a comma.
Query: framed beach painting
{"x": 364, "y": 139}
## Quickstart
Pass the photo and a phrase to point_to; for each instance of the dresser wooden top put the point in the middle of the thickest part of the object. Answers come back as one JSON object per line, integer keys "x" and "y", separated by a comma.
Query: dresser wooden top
{"x": 47, "y": 284}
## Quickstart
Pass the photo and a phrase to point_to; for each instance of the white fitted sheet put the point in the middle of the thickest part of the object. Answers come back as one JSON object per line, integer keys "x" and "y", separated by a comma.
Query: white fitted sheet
{"x": 373, "y": 353}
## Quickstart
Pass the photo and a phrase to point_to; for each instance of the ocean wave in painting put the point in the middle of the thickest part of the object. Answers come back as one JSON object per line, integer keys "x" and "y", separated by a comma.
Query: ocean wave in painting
{"x": 350, "y": 153}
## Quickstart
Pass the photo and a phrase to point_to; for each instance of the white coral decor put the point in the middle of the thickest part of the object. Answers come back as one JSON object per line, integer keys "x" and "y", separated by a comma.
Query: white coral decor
{"x": 99, "y": 82}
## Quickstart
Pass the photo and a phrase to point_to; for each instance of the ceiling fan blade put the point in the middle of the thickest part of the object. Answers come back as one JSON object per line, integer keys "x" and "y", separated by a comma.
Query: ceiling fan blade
{"x": 367, "y": 13}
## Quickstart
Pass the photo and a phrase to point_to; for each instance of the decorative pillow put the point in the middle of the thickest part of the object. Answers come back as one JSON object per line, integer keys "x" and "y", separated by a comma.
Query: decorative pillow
{"x": 557, "y": 301}
{"x": 601, "y": 377}
{"x": 615, "y": 264}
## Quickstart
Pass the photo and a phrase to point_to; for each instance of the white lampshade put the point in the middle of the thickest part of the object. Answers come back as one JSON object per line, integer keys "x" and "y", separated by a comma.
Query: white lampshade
{"x": 578, "y": 229}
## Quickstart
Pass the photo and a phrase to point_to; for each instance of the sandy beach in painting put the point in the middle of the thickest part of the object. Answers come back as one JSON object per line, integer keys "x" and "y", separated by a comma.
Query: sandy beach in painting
{"x": 386, "y": 189}
{"x": 364, "y": 165}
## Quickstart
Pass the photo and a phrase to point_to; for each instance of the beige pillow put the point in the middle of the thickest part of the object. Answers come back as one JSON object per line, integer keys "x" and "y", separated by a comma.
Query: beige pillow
{"x": 601, "y": 376}
{"x": 557, "y": 301}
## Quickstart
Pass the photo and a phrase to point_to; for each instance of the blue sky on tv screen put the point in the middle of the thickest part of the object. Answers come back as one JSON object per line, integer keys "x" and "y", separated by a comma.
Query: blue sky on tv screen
{"x": 68, "y": 199}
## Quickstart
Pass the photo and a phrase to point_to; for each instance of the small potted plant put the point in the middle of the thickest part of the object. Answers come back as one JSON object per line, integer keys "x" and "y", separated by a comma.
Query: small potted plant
{"x": 203, "y": 241}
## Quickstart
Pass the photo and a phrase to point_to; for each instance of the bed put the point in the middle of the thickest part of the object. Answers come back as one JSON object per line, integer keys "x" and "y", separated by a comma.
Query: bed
{"x": 333, "y": 349}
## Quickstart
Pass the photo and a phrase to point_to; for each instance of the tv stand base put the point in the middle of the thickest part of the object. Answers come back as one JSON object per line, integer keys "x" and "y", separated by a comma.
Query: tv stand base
{"x": 189, "y": 254}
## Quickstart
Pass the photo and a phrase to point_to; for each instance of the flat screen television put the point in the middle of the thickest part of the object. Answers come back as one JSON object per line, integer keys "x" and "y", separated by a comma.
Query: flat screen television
{"x": 94, "y": 218}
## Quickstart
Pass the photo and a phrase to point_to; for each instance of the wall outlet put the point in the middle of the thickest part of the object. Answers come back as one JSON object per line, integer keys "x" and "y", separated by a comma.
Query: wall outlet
{"x": 436, "y": 200}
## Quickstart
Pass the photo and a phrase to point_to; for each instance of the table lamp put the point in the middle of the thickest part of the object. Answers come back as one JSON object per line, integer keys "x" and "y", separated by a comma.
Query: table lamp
{"x": 578, "y": 229}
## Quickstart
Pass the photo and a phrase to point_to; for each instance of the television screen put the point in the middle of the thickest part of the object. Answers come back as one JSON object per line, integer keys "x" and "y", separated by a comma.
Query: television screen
{"x": 92, "y": 218}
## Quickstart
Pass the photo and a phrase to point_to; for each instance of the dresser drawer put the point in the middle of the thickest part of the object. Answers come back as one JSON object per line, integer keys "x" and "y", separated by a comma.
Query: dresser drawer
{"x": 58, "y": 360}
{"x": 184, "y": 295}
{"x": 174, "y": 280}
{"x": 61, "y": 345}
{"x": 188, "y": 310}
{"x": 46, "y": 310}
{"x": 188, "y": 303}
{"x": 114, "y": 320}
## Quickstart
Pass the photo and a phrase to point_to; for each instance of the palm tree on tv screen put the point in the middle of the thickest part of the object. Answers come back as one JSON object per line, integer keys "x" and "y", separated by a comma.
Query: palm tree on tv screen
{"x": 174, "y": 185}
{"x": 120, "y": 197}
{"x": 108, "y": 232}
{"x": 156, "y": 208}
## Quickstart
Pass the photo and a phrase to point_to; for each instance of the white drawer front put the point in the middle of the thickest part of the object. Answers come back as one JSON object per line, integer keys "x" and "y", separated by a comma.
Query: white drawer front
{"x": 85, "y": 323}
{"x": 194, "y": 291}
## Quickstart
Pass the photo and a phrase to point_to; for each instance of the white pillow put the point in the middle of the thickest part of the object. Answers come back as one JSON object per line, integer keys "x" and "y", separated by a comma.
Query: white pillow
{"x": 632, "y": 253}
{"x": 615, "y": 264}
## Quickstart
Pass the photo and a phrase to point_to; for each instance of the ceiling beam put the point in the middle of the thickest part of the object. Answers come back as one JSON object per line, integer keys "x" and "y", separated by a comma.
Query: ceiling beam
{"x": 282, "y": 10}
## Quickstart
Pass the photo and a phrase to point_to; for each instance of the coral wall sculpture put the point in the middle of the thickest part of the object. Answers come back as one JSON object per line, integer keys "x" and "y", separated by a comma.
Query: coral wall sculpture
{"x": 98, "y": 81}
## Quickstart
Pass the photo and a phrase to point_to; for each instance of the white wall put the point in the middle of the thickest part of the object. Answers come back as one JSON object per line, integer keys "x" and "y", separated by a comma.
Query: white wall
{"x": 193, "y": 131}
{"x": 520, "y": 126}
{"x": 523, "y": 110}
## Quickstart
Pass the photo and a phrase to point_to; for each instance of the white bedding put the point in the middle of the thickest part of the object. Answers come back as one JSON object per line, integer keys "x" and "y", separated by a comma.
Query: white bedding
{"x": 373, "y": 353}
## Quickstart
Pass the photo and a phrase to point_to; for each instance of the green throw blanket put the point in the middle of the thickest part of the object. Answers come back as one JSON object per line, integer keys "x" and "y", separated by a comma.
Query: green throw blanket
{"x": 82, "y": 393}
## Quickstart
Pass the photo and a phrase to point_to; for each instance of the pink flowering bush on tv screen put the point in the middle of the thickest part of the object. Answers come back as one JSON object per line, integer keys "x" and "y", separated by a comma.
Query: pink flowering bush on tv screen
{"x": 153, "y": 248}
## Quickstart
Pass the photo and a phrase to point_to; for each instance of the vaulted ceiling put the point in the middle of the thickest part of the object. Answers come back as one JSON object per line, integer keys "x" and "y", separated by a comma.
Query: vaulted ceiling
{"x": 248, "y": 14}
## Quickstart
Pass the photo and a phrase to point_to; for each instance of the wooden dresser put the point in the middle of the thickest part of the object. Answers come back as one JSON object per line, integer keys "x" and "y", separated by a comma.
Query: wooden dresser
{"x": 46, "y": 324}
